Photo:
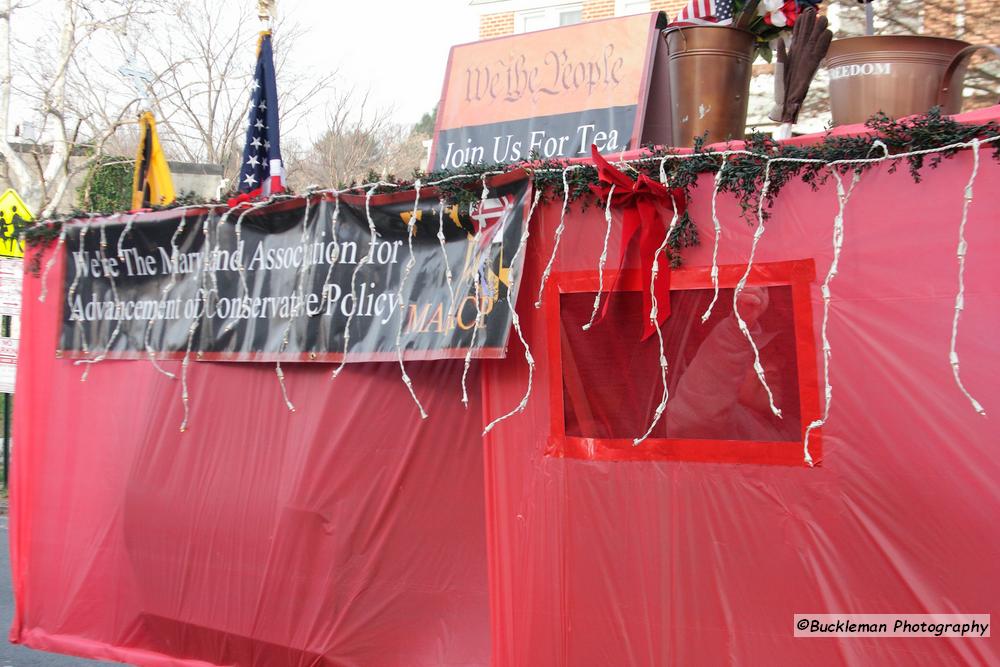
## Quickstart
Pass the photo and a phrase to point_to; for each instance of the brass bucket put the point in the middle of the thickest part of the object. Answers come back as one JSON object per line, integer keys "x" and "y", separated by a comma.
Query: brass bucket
{"x": 710, "y": 70}
{"x": 900, "y": 75}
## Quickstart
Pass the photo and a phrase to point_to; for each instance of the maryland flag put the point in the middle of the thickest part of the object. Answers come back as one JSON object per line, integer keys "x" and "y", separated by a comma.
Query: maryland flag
{"x": 151, "y": 184}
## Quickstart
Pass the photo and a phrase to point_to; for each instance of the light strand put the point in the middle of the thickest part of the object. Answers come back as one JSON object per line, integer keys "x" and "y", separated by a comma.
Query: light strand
{"x": 602, "y": 261}
{"x": 411, "y": 260}
{"x": 88, "y": 363}
{"x": 335, "y": 255}
{"x": 558, "y": 235}
{"x": 367, "y": 259}
{"x": 516, "y": 321}
{"x": 963, "y": 247}
{"x": 654, "y": 320}
{"x": 171, "y": 283}
{"x": 717, "y": 225}
{"x": 292, "y": 316}
{"x": 49, "y": 264}
{"x": 71, "y": 294}
{"x": 838, "y": 243}
{"x": 444, "y": 255}
{"x": 759, "y": 232}
{"x": 476, "y": 277}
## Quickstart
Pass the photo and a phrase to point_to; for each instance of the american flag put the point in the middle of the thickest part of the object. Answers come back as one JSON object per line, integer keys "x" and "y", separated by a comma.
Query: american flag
{"x": 262, "y": 171}
{"x": 702, "y": 12}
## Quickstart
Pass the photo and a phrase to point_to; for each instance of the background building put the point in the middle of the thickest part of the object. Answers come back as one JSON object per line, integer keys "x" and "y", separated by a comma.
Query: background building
{"x": 971, "y": 20}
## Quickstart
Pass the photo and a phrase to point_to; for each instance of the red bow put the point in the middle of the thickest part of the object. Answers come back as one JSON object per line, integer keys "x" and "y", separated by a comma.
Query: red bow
{"x": 638, "y": 201}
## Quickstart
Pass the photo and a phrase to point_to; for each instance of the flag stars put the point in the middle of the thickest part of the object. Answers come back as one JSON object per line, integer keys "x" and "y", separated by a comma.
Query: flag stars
{"x": 253, "y": 161}
{"x": 249, "y": 180}
{"x": 262, "y": 106}
{"x": 259, "y": 124}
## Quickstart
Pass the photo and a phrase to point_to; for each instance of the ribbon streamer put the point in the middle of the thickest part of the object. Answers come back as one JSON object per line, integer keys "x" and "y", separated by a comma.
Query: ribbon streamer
{"x": 638, "y": 200}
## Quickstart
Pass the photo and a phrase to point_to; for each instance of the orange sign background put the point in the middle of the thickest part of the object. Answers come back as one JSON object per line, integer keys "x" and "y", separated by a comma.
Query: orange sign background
{"x": 592, "y": 65}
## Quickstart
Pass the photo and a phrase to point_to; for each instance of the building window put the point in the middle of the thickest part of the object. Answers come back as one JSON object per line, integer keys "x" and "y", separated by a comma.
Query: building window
{"x": 608, "y": 381}
{"x": 547, "y": 17}
{"x": 629, "y": 7}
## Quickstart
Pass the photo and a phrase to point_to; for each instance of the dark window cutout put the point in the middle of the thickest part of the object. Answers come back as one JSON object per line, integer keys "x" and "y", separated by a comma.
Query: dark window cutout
{"x": 611, "y": 379}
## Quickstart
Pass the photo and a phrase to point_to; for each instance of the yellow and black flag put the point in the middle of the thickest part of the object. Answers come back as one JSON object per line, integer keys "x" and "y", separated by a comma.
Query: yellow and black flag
{"x": 151, "y": 184}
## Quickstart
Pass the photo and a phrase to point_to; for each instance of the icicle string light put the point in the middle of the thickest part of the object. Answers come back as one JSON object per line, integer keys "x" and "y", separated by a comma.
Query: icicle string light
{"x": 304, "y": 239}
{"x": 71, "y": 294}
{"x": 121, "y": 237}
{"x": 410, "y": 262}
{"x": 558, "y": 235}
{"x": 87, "y": 363}
{"x": 963, "y": 247}
{"x": 516, "y": 321}
{"x": 444, "y": 255}
{"x": 335, "y": 255}
{"x": 50, "y": 263}
{"x": 759, "y": 232}
{"x": 975, "y": 144}
{"x": 653, "y": 313}
{"x": 602, "y": 261}
{"x": 367, "y": 259}
{"x": 838, "y": 243}
{"x": 480, "y": 263}
{"x": 174, "y": 251}
{"x": 717, "y": 225}
{"x": 192, "y": 329}
{"x": 241, "y": 267}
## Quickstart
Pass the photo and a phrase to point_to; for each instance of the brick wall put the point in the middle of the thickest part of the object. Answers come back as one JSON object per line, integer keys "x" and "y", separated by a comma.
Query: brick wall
{"x": 494, "y": 25}
{"x": 671, "y": 7}
{"x": 598, "y": 9}
{"x": 941, "y": 18}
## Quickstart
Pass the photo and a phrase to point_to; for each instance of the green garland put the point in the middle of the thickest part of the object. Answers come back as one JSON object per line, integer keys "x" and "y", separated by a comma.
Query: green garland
{"x": 743, "y": 177}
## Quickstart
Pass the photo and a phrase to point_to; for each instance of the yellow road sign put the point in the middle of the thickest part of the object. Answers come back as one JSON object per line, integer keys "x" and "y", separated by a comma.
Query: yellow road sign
{"x": 12, "y": 205}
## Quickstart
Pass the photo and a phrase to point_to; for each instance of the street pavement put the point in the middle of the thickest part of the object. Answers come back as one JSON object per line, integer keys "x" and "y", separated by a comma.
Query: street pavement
{"x": 18, "y": 656}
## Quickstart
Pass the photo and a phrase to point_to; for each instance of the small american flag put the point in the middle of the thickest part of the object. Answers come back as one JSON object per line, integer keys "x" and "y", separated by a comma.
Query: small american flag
{"x": 262, "y": 171}
{"x": 703, "y": 12}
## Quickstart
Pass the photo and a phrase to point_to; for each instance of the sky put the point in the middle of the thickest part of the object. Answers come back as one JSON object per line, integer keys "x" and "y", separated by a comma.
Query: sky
{"x": 396, "y": 49}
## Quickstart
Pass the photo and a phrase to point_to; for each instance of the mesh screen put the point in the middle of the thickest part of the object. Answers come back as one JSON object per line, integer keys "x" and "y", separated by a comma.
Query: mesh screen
{"x": 611, "y": 379}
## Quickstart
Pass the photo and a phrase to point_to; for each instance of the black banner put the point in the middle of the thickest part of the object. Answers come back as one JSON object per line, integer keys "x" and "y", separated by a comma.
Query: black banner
{"x": 567, "y": 135}
{"x": 300, "y": 279}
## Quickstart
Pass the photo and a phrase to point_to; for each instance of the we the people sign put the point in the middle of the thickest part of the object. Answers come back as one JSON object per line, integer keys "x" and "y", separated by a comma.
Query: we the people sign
{"x": 550, "y": 93}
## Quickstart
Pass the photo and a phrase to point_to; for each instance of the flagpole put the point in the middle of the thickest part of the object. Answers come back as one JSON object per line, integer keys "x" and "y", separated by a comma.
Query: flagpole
{"x": 869, "y": 17}
{"x": 266, "y": 11}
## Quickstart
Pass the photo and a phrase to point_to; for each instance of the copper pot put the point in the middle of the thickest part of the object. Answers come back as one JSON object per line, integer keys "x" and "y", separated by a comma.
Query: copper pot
{"x": 900, "y": 75}
{"x": 710, "y": 68}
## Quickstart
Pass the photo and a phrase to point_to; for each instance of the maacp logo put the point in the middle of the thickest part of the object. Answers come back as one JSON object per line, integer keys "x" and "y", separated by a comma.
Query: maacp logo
{"x": 15, "y": 215}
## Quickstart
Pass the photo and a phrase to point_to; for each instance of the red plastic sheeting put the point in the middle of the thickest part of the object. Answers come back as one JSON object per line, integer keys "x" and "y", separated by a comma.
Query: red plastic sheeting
{"x": 352, "y": 533}
{"x": 597, "y": 562}
{"x": 349, "y": 533}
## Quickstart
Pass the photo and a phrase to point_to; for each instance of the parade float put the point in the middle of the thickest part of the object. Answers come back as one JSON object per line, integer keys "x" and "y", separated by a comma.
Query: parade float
{"x": 559, "y": 409}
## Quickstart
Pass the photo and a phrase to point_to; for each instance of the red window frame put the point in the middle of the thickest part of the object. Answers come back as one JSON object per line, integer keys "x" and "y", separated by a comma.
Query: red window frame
{"x": 797, "y": 274}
